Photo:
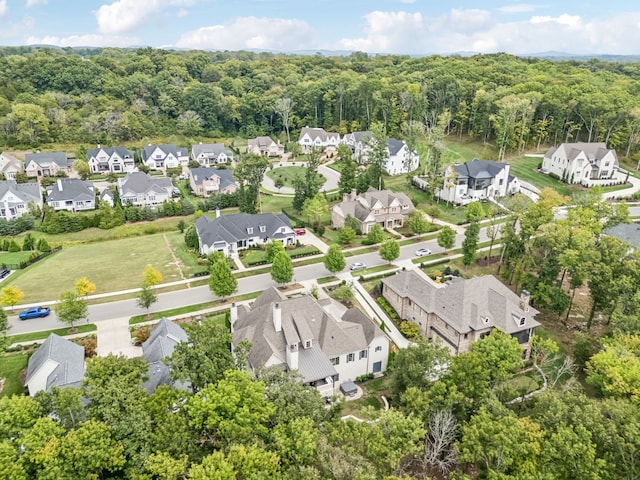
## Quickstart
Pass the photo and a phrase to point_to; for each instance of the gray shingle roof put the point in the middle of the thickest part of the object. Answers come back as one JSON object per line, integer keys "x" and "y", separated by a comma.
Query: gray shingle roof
{"x": 68, "y": 356}
{"x": 166, "y": 148}
{"x": 212, "y": 148}
{"x": 26, "y": 192}
{"x": 232, "y": 228}
{"x": 162, "y": 340}
{"x": 70, "y": 189}
{"x": 140, "y": 182}
{"x": 462, "y": 303}
{"x": 627, "y": 232}
{"x": 201, "y": 174}
{"x": 594, "y": 151}
{"x": 361, "y": 207}
{"x": 317, "y": 132}
{"x": 44, "y": 159}
{"x": 261, "y": 142}
{"x": 479, "y": 169}
{"x": 121, "y": 151}
{"x": 394, "y": 145}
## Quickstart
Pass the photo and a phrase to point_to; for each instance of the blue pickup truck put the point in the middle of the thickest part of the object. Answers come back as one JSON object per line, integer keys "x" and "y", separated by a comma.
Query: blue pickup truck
{"x": 35, "y": 312}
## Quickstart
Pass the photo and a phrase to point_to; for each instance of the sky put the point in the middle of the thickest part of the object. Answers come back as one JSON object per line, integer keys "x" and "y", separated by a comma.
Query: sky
{"x": 411, "y": 27}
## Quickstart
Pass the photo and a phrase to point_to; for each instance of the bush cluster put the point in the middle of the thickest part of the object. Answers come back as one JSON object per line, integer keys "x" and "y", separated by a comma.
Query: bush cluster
{"x": 387, "y": 308}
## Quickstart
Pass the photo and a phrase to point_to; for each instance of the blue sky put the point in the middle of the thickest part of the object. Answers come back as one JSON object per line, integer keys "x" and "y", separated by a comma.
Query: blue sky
{"x": 375, "y": 26}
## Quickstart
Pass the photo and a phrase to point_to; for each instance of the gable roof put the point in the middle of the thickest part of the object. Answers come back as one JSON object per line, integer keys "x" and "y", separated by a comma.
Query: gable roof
{"x": 121, "y": 151}
{"x": 627, "y": 232}
{"x": 361, "y": 207}
{"x": 139, "y": 182}
{"x": 317, "y": 132}
{"x": 260, "y": 142}
{"x": 463, "y": 304}
{"x": 394, "y": 146}
{"x": 594, "y": 151}
{"x": 63, "y": 358}
{"x": 201, "y": 174}
{"x": 25, "y": 192}
{"x": 107, "y": 195}
{"x": 479, "y": 169}
{"x": 167, "y": 148}
{"x": 45, "y": 159}
{"x": 70, "y": 189}
{"x": 162, "y": 340}
{"x": 213, "y": 148}
{"x": 10, "y": 163}
{"x": 232, "y": 228}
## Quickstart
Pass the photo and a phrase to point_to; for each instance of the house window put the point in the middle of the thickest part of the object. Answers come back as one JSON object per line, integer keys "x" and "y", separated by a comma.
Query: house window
{"x": 501, "y": 181}
{"x": 605, "y": 173}
{"x": 363, "y": 354}
{"x": 152, "y": 198}
{"x": 250, "y": 230}
{"x": 263, "y": 228}
{"x": 523, "y": 320}
{"x": 307, "y": 344}
{"x": 20, "y": 206}
{"x": 378, "y": 348}
{"x": 466, "y": 335}
{"x": 335, "y": 361}
{"x": 351, "y": 357}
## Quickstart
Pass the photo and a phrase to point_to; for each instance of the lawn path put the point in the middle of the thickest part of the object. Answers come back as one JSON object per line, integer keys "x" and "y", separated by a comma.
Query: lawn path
{"x": 175, "y": 259}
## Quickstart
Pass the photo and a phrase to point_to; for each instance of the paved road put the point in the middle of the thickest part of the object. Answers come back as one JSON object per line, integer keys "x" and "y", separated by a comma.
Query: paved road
{"x": 195, "y": 295}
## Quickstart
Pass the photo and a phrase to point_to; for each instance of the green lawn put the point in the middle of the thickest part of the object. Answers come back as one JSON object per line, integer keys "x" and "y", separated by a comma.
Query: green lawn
{"x": 10, "y": 368}
{"x": 112, "y": 265}
{"x": 289, "y": 174}
{"x": 33, "y": 336}
{"x": 13, "y": 258}
{"x": 250, "y": 257}
{"x": 525, "y": 169}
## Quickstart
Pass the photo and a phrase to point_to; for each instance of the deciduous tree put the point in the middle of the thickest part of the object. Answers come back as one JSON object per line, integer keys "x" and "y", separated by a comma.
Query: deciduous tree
{"x": 334, "y": 259}
{"x": 389, "y": 250}
{"x": 221, "y": 280}
{"x": 282, "y": 268}
{"x": 11, "y": 296}
{"x": 71, "y": 308}
{"x": 151, "y": 276}
{"x": 84, "y": 287}
{"x": 446, "y": 237}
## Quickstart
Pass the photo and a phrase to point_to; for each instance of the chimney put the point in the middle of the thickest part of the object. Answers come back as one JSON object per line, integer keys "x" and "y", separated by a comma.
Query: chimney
{"x": 353, "y": 195}
{"x": 217, "y": 212}
{"x": 60, "y": 184}
{"x": 277, "y": 317}
{"x": 525, "y": 296}
{"x": 99, "y": 146}
{"x": 292, "y": 356}
{"x": 233, "y": 315}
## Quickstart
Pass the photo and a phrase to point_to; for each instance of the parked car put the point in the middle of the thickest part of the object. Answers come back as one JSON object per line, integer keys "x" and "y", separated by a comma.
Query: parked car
{"x": 358, "y": 266}
{"x": 35, "y": 312}
{"x": 421, "y": 252}
{"x": 300, "y": 231}
{"x": 4, "y": 272}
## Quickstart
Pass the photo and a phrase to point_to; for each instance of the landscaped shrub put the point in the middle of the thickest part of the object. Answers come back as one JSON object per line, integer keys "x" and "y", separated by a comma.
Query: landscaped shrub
{"x": 387, "y": 308}
{"x": 142, "y": 334}
{"x": 89, "y": 344}
{"x": 409, "y": 330}
{"x": 364, "y": 378}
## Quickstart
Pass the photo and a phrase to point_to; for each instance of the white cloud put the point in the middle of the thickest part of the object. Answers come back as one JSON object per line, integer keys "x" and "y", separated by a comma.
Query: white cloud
{"x": 3, "y": 7}
{"x": 564, "y": 19}
{"x": 88, "y": 40}
{"x": 183, "y": 12}
{"x": 519, "y": 8}
{"x": 124, "y": 16}
{"x": 31, "y": 3}
{"x": 388, "y": 32}
{"x": 251, "y": 32}
{"x": 468, "y": 21}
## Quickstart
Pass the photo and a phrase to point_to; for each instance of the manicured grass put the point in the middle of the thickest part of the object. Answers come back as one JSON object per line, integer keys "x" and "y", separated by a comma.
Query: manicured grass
{"x": 188, "y": 259}
{"x": 525, "y": 169}
{"x": 323, "y": 280}
{"x": 370, "y": 270}
{"x": 273, "y": 203}
{"x": 32, "y": 336}
{"x": 112, "y": 265}
{"x": 250, "y": 257}
{"x": 372, "y": 390}
{"x": 463, "y": 150}
{"x": 10, "y": 368}
{"x": 13, "y": 258}
{"x": 289, "y": 174}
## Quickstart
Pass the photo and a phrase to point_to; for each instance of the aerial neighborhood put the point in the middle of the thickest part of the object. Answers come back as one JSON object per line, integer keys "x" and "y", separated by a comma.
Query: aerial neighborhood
{"x": 246, "y": 265}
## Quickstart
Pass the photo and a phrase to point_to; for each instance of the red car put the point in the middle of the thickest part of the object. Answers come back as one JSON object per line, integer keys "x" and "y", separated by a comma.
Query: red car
{"x": 300, "y": 231}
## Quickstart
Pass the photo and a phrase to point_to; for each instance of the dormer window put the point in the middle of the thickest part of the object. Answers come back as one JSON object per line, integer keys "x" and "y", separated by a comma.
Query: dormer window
{"x": 523, "y": 320}
{"x": 307, "y": 344}
{"x": 263, "y": 228}
{"x": 250, "y": 230}
{"x": 485, "y": 320}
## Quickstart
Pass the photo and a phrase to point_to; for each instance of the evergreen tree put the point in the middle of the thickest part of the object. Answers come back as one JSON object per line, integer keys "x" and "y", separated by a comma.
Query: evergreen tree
{"x": 347, "y": 176}
{"x": 470, "y": 243}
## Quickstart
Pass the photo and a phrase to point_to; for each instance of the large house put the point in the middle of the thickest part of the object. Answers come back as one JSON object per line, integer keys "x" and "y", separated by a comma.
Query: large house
{"x": 161, "y": 157}
{"x": 47, "y": 164}
{"x": 318, "y": 139}
{"x": 10, "y": 165}
{"x": 478, "y": 180}
{"x": 354, "y": 138}
{"x": 71, "y": 194}
{"x": 581, "y": 163}
{"x": 264, "y": 146}
{"x": 141, "y": 189}
{"x": 110, "y": 160}
{"x": 320, "y": 339}
{"x": 162, "y": 340}
{"x": 15, "y": 198}
{"x": 382, "y": 207}
{"x": 398, "y": 158}
{"x": 462, "y": 311}
{"x": 58, "y": 362}
{"x": 207, "y": 181}
{"x": 208, "y": 154}
{"x": 230, "y": 233}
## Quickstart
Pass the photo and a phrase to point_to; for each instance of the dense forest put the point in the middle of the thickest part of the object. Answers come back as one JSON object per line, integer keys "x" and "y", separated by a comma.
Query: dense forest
{"x": 114, "y": 95}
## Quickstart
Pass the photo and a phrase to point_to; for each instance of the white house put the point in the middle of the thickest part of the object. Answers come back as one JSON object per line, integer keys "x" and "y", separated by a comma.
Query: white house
{"x": 10, "y": 165}
{"x": 326, "y": 343}
{"x": 318, "y": 139}
{"x": 353, "y": 138}
{"x": 141, "y": 189}
{"x": 478, "y": 180}
{"x": 161, "y": 157}
{"x": 398, "y": 159}
{"x": 15, "y": 198}
{"x": 230, "y": 233}
{"x": 210, "y": 154}
{"x": 110, "y": 159}
{"x": 72, "y": 195}
{"x": 587, "y": 164}
{"x": 264, "y": 146}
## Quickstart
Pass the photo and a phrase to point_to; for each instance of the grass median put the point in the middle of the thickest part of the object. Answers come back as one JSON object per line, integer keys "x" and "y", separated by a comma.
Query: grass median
{"x": 34, "y": 336}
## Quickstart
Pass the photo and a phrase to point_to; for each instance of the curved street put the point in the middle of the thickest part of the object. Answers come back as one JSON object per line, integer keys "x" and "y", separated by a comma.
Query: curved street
{"x": 332, "y": 176}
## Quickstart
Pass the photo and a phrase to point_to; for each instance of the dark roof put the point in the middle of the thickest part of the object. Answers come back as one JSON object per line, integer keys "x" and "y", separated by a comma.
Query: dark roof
{"x": 231, "y": 228}
{"x": 65, "y": 359}
{"x": 463, "y": 303}
{"x": 70, "y": 189}
{"x": 121, "y": 151}
{"x": 140, "y": 182}
{"x": 394, "y": 146}
{"x": 161, "y": 342}
{"x": 47, "y": 158}
{"x": 201, "y": 174}
{"x": 627, "y": 232}
{"x": 479, "y": 169}
{"x": 26, "y": 192}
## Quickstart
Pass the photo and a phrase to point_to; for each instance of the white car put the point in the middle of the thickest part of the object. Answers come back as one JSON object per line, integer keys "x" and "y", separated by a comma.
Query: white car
{"x": 358, "y": 266}
{"x": 421, "y": 252}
